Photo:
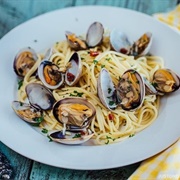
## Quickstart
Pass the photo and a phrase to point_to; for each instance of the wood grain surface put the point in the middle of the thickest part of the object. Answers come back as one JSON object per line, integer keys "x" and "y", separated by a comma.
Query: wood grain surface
{"x": 15, "y": 12}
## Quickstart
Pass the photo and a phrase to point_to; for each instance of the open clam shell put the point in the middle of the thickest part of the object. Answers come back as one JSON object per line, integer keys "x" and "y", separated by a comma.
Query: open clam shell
{"x": 166, "y": 81}
{"x": 94, "y": 34}
{"x": 74, "y": 70}
{"x": 75, "y": 113}
{"x": 71, "y": 137}
{"x": 131, "y": 90}
{"x": 27, "y": 112}
{"x": 39, "y": 96}
{"x": 149, "y": 88}
{"x": 142, "y": 45}
{"x": 24, "y": 61}
{"x": 106, "y": 90}
{"x": 50, "y": 75}
{"x": 75, "y": 42}
{"x": 119, "y": 41}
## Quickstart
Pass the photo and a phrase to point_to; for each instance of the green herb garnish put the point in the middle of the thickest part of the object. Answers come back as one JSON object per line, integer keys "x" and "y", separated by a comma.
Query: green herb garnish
{"x": 131, "y": 135}
{"x": 45, "y": 131}
{"x": 39, "y": 119}
{"x": 111, "y": 103}
{"x": 109, "y": 90}
{"x": 108, "y": 59}
{"x": 79, "y": 94}
{"x": 102, "y": 66}
{"x": 20, "y": 83}
{"x": 95, "y": 61}
{"x": 78, "y": 135}
{"x": 154, "y": 84}
{"x": 50, "y": 140}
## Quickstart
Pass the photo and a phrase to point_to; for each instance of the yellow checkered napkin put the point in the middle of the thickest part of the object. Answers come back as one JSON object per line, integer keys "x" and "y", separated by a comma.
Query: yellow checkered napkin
{"x": 165, "y": 165}
{"x": 171, "y": 18}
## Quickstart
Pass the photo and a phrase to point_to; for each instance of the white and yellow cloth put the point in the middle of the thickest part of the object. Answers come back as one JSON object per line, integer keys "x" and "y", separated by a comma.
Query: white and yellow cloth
{"x": 165, "y": 165}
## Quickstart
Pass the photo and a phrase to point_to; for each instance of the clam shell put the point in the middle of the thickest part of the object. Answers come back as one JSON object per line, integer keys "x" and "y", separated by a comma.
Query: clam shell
{"x": 71, "y": 138}
{"x": 94, "y": 34}
{"x": 19, "y": 107}
{"x": 39, "y": 96}
{"x": 119, "y": 41}
{"x": 75, "y": 43}
{"x": 166, "y": 82}
{"x": 24, "y": 60}
{"x": 106, "y": 89}
{"x": 85, "y": 122}
{"x": 124, "y": 90}
{"x": 73, "y": 73}
{"x": 139, "y": 48}
{"x": 58, "y": 79}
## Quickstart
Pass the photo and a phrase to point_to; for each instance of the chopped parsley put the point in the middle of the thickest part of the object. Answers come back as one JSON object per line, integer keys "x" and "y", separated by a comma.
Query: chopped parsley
{"x": 107, "y": 142}
{"x": 131, "y": 135}
{"x": 108, "y": 139}
{"x": 45, "y": 131}
{"x": 111, "y": 103}
{"x": 154, "y": 84}
{"x": 108, "y": 59}
{"x": 78, "y": 135}
{"x": 102, "y": 66}
{"x": 39, "y": 119}
{"x": 77, "y": 94}
{"x": 50, "y": 140}
{"x": 95, "y": 61}
{"x": 20, "y": 83}
{"x": 109, "y": 90}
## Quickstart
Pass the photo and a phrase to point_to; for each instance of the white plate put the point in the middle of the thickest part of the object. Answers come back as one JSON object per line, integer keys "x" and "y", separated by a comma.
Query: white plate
{"x": 48, "y": 29}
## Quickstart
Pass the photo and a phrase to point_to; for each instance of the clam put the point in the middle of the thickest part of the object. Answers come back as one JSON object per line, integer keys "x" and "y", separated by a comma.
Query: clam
{"x": 74, "y": 113}
{"x": 94, "y": 34}
{"x": 24, "y": 61}
{"x": 142, "y": 45}
{"x": 53, "y": 78}
{"x": 75, "y": 42}
{"x": 71, "y": 137}
{"x": 74, "y": 70}
{"x": 94, "y": 37}
{"x": 50, "y": 75}
{"x": 119, "y": 41}
{"x": 130, "y": 90}
{"x": 27, "y": 112}
{"x": 39, "y": 96}
{"x": 149, "y": 88}
{"x": 166, "y": 81}
{"x": 106, "y": 90}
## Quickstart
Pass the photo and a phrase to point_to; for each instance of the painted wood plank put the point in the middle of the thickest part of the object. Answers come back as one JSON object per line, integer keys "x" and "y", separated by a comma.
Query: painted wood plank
{"x": 21, "y": 165}
{"x": 146, "y": 6}
{"x": 14, "y": 12}
{"x": 46, "y": 172}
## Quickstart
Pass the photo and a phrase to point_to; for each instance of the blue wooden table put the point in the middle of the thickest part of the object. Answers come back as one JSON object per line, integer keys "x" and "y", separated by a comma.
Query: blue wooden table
{"x": 13, "y": 13}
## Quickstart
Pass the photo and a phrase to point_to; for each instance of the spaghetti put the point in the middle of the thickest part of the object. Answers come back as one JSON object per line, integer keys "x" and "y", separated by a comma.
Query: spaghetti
{"x": 108, "y": 126}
